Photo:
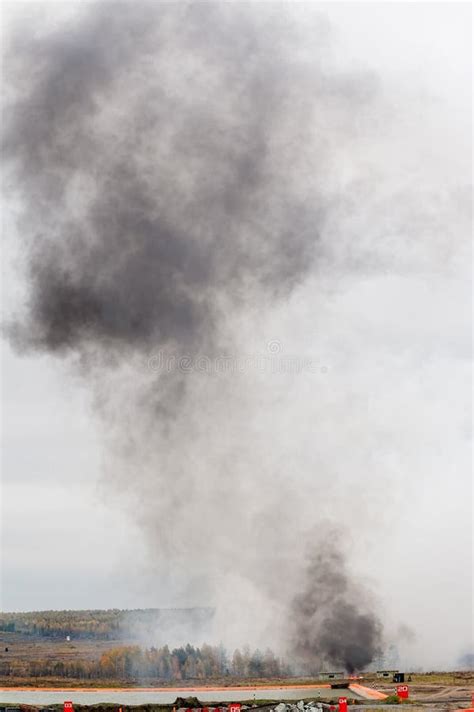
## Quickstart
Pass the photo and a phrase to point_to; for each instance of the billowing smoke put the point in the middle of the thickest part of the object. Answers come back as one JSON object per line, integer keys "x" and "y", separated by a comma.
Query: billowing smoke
{"x": 182, "y": 174}
{"x": 153, "y": 146}
{"x": 334, "y": 624}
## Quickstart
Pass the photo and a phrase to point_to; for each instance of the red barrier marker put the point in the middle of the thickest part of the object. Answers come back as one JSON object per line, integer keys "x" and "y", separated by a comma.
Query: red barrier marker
{"x": 68, "y": 706}
{"x": 402, "y": 692}
{"x": 342, "y": 704}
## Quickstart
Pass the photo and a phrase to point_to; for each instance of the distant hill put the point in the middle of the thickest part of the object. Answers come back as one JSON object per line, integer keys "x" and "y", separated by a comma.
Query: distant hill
{"x": 113, "y": 624}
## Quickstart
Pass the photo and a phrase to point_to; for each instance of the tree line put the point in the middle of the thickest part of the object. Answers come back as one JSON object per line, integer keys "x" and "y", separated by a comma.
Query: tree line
{"x": 109, "y": 624}
{"x": 132, "y": 664}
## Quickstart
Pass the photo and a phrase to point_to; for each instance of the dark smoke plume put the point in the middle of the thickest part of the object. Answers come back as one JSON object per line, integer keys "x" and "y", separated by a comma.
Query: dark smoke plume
{"x": 170, "y": 164}
{"x": 139, "y": 216}
{"x": 332, "y": 623}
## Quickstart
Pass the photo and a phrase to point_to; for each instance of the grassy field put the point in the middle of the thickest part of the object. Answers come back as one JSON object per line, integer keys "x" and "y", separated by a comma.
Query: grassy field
{"x": 427, "y": 681}
{"x": 443, "y": 678}
{"x": 36, "y": 648}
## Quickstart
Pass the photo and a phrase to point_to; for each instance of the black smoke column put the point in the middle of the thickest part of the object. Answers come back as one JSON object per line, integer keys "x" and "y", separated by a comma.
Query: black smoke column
{"x": 331, "y": 623}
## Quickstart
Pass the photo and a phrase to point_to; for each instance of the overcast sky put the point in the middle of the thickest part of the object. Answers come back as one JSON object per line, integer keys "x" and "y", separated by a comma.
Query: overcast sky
{"x": 67, "y": 542}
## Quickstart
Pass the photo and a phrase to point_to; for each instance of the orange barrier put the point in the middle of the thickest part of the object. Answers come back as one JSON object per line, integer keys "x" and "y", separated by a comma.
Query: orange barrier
{"x": 367, "y": 692}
